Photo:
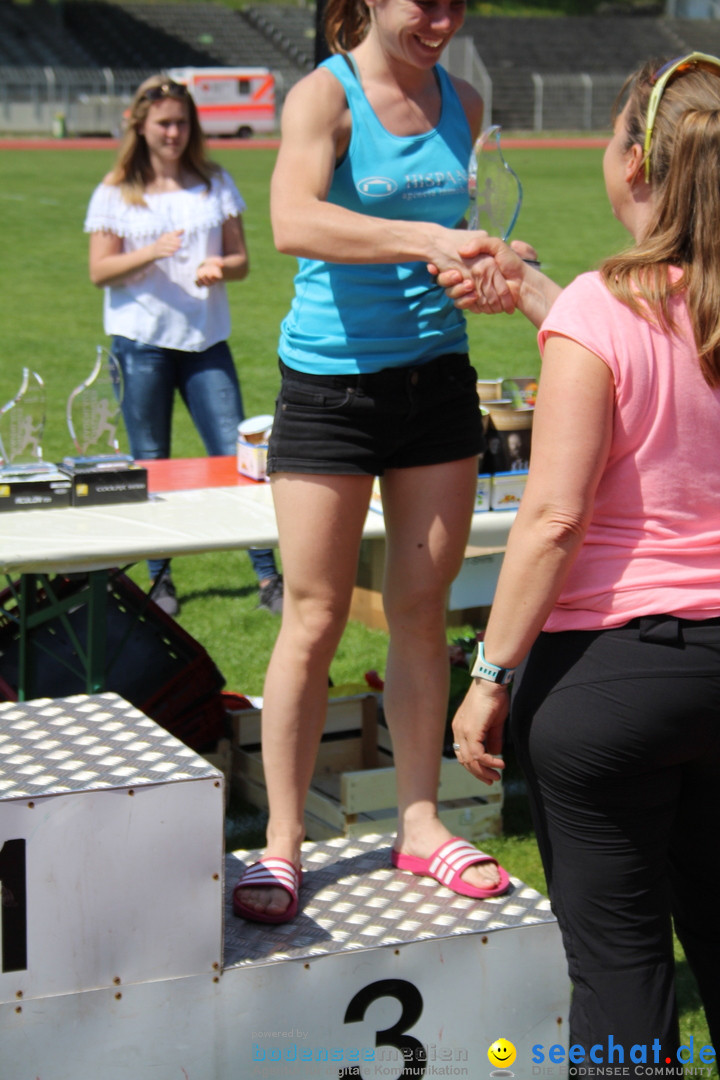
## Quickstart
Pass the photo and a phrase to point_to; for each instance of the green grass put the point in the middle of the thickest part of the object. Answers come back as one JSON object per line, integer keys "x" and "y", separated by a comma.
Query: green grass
{"x": 52, "y": 322}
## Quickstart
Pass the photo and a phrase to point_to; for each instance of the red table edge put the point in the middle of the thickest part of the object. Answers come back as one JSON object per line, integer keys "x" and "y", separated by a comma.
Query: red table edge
{"x": 185, "y": 474}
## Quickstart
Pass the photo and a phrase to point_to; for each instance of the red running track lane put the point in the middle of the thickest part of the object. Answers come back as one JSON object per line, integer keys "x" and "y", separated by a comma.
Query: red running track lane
{"x": 91, "y": 143}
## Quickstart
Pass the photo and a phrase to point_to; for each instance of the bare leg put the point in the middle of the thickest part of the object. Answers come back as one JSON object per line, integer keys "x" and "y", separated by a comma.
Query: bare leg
{"x": 320, "y": 520}
{"x": 427, "y": 518}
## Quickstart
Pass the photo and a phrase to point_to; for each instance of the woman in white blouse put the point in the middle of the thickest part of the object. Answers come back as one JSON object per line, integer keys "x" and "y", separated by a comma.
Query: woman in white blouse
{"x": 166, "y": 233}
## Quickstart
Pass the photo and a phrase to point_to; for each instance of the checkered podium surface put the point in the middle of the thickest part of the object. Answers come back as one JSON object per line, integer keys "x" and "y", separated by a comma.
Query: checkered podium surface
{"x": 80, "y": 743}
{"x": 352, "y": 898}
{"x": 111, "y": 843}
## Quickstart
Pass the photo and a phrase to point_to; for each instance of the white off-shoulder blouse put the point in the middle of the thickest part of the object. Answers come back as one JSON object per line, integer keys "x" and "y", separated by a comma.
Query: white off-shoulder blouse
{"x": 161, "y": 305}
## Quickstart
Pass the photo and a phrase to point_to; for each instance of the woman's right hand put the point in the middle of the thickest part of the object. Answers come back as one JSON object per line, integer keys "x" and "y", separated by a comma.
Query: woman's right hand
{"x": 478, "y": 727}
{"x": 466, "y": 268}
{"x": 530, "y": 290}
{"x": 111, "y": 265}
{"x": 489, "y": 261}
{"x": 168, "y": 244}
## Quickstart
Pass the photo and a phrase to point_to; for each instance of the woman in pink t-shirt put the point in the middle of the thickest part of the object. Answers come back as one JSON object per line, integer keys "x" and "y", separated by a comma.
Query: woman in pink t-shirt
{"x": 609, "y": 594}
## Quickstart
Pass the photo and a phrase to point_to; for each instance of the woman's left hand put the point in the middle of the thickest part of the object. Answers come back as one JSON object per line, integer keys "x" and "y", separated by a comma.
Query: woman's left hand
{"x": 210, "y": 271}
{"x": 478, "y": 728}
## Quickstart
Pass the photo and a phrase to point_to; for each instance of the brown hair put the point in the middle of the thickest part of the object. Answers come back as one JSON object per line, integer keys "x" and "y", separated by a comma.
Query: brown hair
{"x": 346, "y": 24}
{"x": 132, "y": 171}
{"x": 683, "y": 231}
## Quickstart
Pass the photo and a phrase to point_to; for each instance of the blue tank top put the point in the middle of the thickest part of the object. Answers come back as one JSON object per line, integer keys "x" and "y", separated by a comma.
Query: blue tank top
{"x": 350, "y": 318}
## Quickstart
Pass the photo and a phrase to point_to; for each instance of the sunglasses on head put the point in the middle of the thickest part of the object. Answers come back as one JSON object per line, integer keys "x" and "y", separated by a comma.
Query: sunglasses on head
{"x": 168, "y": 89}
{"x": 689, "y": 62}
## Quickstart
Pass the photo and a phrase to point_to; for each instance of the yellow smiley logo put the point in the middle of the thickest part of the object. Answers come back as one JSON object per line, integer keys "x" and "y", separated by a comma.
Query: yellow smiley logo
{"x": 502, "y": 1053}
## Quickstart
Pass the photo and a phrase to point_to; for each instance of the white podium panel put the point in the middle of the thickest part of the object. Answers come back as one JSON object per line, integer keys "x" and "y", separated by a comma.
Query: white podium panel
{"x": 382, "y": 975}
{"x": 111, "y": 848}
{"x": 389, "y": 975}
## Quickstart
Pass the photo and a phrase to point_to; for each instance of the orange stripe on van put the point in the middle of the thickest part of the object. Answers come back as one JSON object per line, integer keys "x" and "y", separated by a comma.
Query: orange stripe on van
{"x": 246, "y": 108}
{"x": 267, "y": 86}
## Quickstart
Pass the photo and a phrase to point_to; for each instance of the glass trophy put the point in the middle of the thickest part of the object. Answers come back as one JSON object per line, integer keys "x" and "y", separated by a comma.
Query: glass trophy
{"x": 22, "y": 422}
{"x": 26, "y": 480}
{"x": 495, "y": 190}
{"x": 94, "y": 416}
{"x": 101, "y": 472}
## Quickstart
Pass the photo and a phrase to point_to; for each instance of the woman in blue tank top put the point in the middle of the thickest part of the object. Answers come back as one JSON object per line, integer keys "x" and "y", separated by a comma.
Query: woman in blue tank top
{"x": 369, "y": 188}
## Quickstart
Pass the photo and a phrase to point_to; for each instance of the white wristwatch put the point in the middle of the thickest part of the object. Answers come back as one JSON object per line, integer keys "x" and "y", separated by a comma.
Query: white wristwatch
{"x": 482, "y": 669}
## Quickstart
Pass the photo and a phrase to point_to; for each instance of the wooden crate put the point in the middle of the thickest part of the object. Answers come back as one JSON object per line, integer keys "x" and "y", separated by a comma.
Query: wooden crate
{"x": 468, "y": 600}
{"x": 353, "y": 787}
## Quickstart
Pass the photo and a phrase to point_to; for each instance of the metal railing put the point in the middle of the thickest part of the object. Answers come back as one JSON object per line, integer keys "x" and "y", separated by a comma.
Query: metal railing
{"x": 692, "y": 9}
{"x": 579, "y": 102}
{"x": 78, "y": 101}
{"x": 462, "y": 59}
{"x": 548, "y": 102}
{"x": 91, "y": 101}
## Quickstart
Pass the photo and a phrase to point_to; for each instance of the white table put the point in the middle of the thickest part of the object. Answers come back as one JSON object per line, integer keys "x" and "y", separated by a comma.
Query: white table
{"x": 37, "y": 543}
{"x": 74, "y": 539}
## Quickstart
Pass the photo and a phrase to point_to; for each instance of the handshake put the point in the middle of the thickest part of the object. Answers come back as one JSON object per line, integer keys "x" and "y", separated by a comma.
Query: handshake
{"x": 490, "y": 276}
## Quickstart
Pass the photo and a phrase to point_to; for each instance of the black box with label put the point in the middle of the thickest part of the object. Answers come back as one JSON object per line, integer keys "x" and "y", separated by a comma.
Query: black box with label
{"x": 101, "y": 485}
{"x": 36, "y": 491}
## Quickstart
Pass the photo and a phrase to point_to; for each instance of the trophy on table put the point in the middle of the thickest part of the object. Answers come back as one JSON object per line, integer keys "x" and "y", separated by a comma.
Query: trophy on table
{"x": 26, "y": 480}
{"x": 100, "y": 471}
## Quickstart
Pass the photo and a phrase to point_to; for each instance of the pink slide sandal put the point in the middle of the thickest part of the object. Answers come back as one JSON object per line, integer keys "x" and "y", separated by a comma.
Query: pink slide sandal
{"x": 269, "y": 872}
{"x": 447, "y": 864}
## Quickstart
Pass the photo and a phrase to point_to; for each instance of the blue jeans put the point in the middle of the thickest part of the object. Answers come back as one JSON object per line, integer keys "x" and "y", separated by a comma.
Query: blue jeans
{"x": 208, "y": 384}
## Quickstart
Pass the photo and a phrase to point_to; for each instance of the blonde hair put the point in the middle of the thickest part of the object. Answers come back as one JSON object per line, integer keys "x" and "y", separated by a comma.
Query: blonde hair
{"x": 346, "y": 24}
{"x": 684, "y": 230}
{"x": 132, "y": 171}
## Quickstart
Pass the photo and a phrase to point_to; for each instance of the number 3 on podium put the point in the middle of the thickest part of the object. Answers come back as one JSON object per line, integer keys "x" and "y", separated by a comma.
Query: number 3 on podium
{"x": 411, "y": 1049}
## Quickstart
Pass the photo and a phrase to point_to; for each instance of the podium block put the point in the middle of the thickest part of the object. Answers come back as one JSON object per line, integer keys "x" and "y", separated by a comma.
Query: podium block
{"x": 382, "y": 975}
{"x": 111, "y": 848}
{"x": 385, "y": 974}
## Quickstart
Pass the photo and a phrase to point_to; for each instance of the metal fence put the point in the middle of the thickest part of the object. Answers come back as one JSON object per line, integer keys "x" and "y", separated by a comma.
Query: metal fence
{"x": 75, "y": 101}
{"x": 572, "y": 102}
{"x": 692, "y": 9}
{"x": 521, "y": 99}
{"x": 91, "y": 101}
{"x": 462, "y": 59}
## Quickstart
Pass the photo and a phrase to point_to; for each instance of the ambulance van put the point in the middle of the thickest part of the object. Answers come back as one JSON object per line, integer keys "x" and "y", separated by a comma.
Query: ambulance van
{"x": 231, "y": 101}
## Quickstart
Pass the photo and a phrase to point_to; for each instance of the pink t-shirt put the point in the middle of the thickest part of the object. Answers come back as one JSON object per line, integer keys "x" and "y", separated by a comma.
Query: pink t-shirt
{"x": 653, "y": 545}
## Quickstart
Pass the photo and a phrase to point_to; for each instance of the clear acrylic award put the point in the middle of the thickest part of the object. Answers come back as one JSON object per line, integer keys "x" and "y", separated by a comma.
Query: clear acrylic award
{"x": 22, "y": 422}
{"x": 495, "y": 190}
{"x": 101, "y": 472}
{"x": 26, "y": 481}
{"x": 94, "y": 416}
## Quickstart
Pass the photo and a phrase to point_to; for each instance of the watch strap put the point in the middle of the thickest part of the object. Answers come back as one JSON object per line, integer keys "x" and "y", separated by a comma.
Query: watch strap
{"x": 482, "y": 669}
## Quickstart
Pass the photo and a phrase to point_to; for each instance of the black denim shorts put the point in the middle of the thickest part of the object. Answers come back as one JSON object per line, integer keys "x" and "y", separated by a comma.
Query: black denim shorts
{"x": 398, "y": 418}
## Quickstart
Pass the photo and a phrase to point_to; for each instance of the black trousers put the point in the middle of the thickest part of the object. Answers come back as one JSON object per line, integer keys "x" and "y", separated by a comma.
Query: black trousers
{"x": 618, "y": 732}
